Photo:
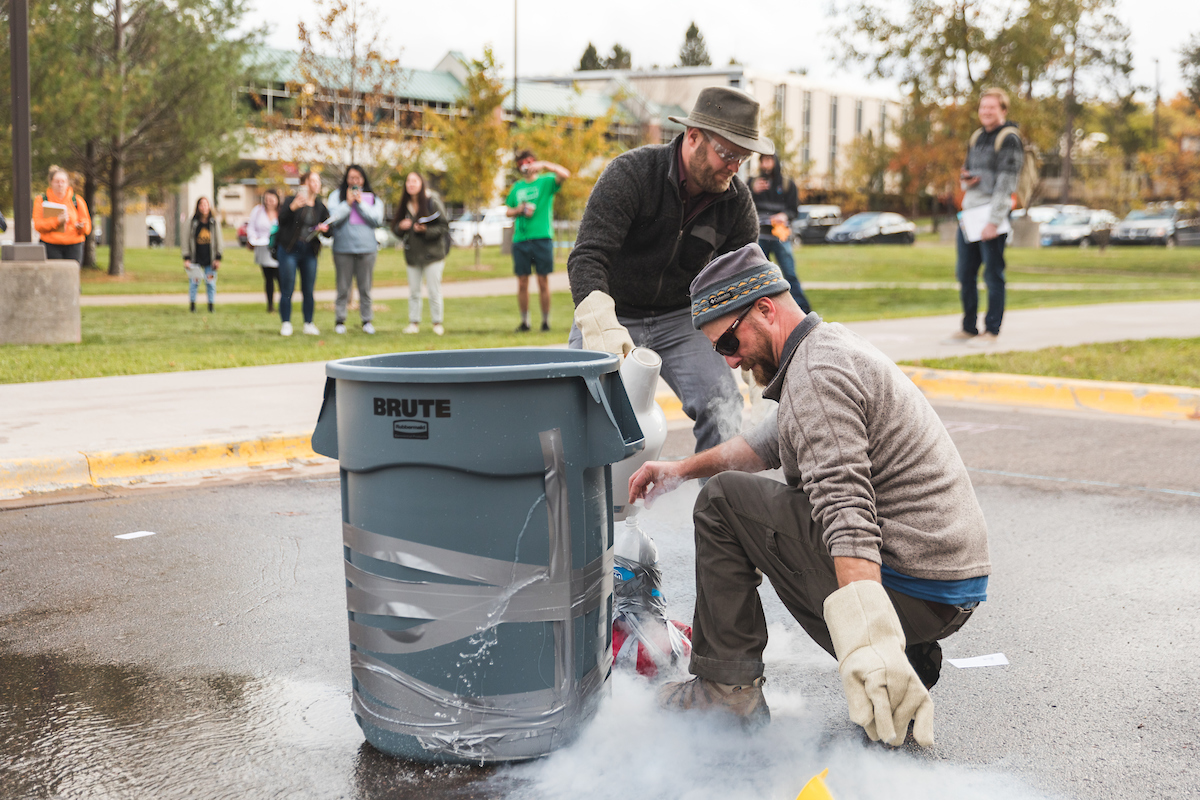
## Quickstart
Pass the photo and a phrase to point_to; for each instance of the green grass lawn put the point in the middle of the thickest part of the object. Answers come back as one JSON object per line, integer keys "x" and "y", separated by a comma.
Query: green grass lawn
{"x": 160, "y": 270}
{"x": 935, "y": 262}
{"x": 1173, "y": 362}
{"x": 126, "y": 340}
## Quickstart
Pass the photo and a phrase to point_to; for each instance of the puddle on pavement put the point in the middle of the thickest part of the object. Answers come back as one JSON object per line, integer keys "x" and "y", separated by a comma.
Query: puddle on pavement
{"x": 72, "y": 730}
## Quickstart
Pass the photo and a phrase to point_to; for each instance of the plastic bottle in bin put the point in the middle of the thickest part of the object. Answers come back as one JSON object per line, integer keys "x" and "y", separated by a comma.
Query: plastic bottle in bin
{"x": 643, "y": 637}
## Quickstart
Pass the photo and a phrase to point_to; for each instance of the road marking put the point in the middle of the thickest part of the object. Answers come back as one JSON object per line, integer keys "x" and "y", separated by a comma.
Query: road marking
{"x": 979, "y": 427}
{"x": 1086, "y": 483}
{"x": 134, "y": 535}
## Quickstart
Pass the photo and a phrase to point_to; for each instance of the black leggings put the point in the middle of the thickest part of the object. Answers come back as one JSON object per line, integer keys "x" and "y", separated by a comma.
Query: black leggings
{"x": 69, "y": 252}
{"x": 270, "y": 278}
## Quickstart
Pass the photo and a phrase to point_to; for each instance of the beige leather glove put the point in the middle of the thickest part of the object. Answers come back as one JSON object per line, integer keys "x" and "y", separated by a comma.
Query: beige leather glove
{"x": 882, "y": 688}
{"x": 596, "y": 317}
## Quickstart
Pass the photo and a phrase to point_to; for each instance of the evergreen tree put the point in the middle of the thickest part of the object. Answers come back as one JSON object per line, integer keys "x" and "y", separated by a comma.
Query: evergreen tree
{"x": 694, "y": 53}
{"x": 1189, "y": 65}
{"x": 620, "y": 58}
{"x": 591, "y": 59}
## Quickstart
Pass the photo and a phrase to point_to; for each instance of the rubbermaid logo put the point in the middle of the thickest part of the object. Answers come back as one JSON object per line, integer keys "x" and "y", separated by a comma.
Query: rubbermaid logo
{"x": 410, "y": 429}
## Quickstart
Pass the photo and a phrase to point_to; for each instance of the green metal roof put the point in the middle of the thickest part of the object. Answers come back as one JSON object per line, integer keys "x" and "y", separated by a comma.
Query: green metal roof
{"x": 283, "y": 66}
{"x": 268, "y": 64}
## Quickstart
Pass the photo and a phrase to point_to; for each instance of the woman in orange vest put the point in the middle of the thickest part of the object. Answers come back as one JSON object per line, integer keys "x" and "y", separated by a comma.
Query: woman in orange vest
{"x": 61, "y": 218}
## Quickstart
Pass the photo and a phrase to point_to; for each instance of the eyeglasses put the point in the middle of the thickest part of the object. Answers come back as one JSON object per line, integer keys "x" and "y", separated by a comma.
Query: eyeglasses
{"x": 727, "y": 343}
{"x": 724, "y": 153}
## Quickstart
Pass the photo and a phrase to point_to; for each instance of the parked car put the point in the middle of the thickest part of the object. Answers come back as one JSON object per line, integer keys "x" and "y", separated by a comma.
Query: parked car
{"x": 1147, "y": 226}
{"x": 873, "y": 227}
{"x": 488, "y": 229}
{"x": 156, "y": 230}
{"x": 1077, "y": 228}
{"x": 814, "y": 222}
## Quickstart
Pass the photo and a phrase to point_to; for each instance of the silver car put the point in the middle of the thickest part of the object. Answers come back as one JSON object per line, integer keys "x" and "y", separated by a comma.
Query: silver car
{"x": 1147, "y": 226}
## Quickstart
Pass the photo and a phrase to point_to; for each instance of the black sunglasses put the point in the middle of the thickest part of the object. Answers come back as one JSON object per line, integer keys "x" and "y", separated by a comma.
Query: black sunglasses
{"x": 727, "y": 343}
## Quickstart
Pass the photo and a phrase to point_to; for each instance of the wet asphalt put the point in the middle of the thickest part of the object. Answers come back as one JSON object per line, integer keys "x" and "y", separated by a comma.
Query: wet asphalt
{"x": 210, "y": 659}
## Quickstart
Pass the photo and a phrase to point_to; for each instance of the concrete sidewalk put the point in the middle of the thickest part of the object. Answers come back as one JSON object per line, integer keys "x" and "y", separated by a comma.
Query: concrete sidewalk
{"x": 499, "y": 287}
{"x": 126, "y": 430}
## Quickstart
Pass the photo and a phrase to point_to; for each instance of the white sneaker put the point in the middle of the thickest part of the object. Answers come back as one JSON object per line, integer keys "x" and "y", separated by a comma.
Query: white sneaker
{"x": 311, "y": 329}
{"x": 368, "y": 328}
{"x": 984, "y": 339}
{"x": 339, "y": 328}
{"x": 285, "y": 329}
{"x": 438, "y": 329}
{"x": 412, "y": 328}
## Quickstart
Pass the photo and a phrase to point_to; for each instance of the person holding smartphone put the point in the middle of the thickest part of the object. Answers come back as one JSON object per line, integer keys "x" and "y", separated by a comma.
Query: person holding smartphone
{"x": 302, "y": 219}
{"x": 354, "y": 214}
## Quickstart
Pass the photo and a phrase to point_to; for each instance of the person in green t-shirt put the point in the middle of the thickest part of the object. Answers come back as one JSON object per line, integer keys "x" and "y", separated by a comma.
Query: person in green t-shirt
{"x": 531, "y": 202}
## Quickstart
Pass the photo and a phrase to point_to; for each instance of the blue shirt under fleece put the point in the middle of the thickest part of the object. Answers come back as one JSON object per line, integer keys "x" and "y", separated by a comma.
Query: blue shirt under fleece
{"x": 967, "y": 592}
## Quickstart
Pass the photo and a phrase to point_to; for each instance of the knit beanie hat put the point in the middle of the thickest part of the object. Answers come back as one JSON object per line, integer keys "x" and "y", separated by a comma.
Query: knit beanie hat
{"x": 733, "y": 281}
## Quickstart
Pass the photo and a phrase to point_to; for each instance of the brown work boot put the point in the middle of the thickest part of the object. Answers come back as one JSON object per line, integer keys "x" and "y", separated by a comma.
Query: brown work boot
{"x": 745, "y": 701}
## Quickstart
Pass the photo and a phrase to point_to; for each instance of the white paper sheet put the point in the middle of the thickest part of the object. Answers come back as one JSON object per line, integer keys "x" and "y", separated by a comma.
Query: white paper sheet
{"x": 134, "y": 535}
{"x": 993, "y": 660}
{"x": 973, "y": 221}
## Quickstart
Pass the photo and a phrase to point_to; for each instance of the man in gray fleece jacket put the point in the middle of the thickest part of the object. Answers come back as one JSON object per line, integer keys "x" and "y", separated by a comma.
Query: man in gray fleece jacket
{"x": 876, "y": 543}
{"x": 657, "y": 215}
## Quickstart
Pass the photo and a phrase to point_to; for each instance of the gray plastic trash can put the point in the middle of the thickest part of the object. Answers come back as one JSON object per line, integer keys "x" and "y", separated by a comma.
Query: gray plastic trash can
{"x": 477, "y": 532}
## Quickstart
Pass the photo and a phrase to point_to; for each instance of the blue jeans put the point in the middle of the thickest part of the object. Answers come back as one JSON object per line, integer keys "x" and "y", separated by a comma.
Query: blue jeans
{"x": 700, "y": 378}
{"x": 298, "y": 259}
{"x": 787, "y": 264}
{"x": 970, "y": 256}
{"x": 210, "y": 284}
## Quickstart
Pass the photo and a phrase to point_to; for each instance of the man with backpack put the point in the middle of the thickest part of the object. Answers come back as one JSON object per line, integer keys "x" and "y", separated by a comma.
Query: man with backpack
{"x": 995, "y": 155}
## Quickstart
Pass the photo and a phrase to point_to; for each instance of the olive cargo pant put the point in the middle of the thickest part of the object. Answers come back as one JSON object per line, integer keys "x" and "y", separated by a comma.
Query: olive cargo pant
{"x": 744, "y": 521}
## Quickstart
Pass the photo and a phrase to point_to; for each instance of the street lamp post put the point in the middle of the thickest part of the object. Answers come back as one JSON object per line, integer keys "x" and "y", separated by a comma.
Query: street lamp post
{"x": 515, "y": 106}
{"x": 39, "y": 299}
{"x": 23, "y": 248}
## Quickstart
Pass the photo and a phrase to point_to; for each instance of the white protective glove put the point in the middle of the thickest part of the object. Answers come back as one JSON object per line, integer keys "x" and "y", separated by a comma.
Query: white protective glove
{"x": 882, "y": 688}
{"x": 596, "y": 317}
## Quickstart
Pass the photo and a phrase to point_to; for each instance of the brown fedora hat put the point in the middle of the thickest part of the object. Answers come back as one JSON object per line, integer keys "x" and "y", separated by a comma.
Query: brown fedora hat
{"x": 731, "y": 113}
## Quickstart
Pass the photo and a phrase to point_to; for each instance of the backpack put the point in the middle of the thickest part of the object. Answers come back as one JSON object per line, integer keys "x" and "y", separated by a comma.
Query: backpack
{"x": 1027, "y": 178}
{"x": 74, "y": 200}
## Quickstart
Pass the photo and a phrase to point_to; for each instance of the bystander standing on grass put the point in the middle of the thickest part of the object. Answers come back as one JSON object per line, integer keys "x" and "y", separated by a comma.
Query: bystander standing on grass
{"x": 354, "y": 214}
{"x": 261, "y": 233}
{"x": 202, "y": 253}
{"x": 420, "y": 221}
{"x": 301, "y": 219}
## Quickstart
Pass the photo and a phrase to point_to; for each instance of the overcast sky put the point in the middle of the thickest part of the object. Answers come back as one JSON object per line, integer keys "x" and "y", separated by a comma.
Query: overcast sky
{"x": 778, "y": 36}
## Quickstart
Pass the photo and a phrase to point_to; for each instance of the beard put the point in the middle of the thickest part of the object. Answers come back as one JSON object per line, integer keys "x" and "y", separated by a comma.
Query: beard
{"x": 761, "y": 362}
{"x": 702, "y": 174}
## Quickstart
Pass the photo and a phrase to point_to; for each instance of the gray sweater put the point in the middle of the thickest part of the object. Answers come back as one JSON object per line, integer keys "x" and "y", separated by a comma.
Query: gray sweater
{"x": 885, "y": 480}
{"x": 633, "y": 243}
{"x": 352, "y": 237}
{"x": 997, "y": 172}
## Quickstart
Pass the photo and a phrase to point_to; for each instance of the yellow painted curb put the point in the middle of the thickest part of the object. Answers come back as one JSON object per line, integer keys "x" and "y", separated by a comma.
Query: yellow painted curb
{"x": 134, "y": 467}
{"x": 21, "y": 477}
{"x": 1108, "y": 397}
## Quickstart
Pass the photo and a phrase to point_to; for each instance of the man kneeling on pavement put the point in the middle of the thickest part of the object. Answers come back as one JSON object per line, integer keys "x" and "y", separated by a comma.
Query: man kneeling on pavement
{"x": 876, "y": 544}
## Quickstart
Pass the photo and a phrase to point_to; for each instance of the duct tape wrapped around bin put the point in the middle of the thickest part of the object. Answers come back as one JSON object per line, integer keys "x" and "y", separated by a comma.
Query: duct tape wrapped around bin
{"x": 468, "y": 727}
